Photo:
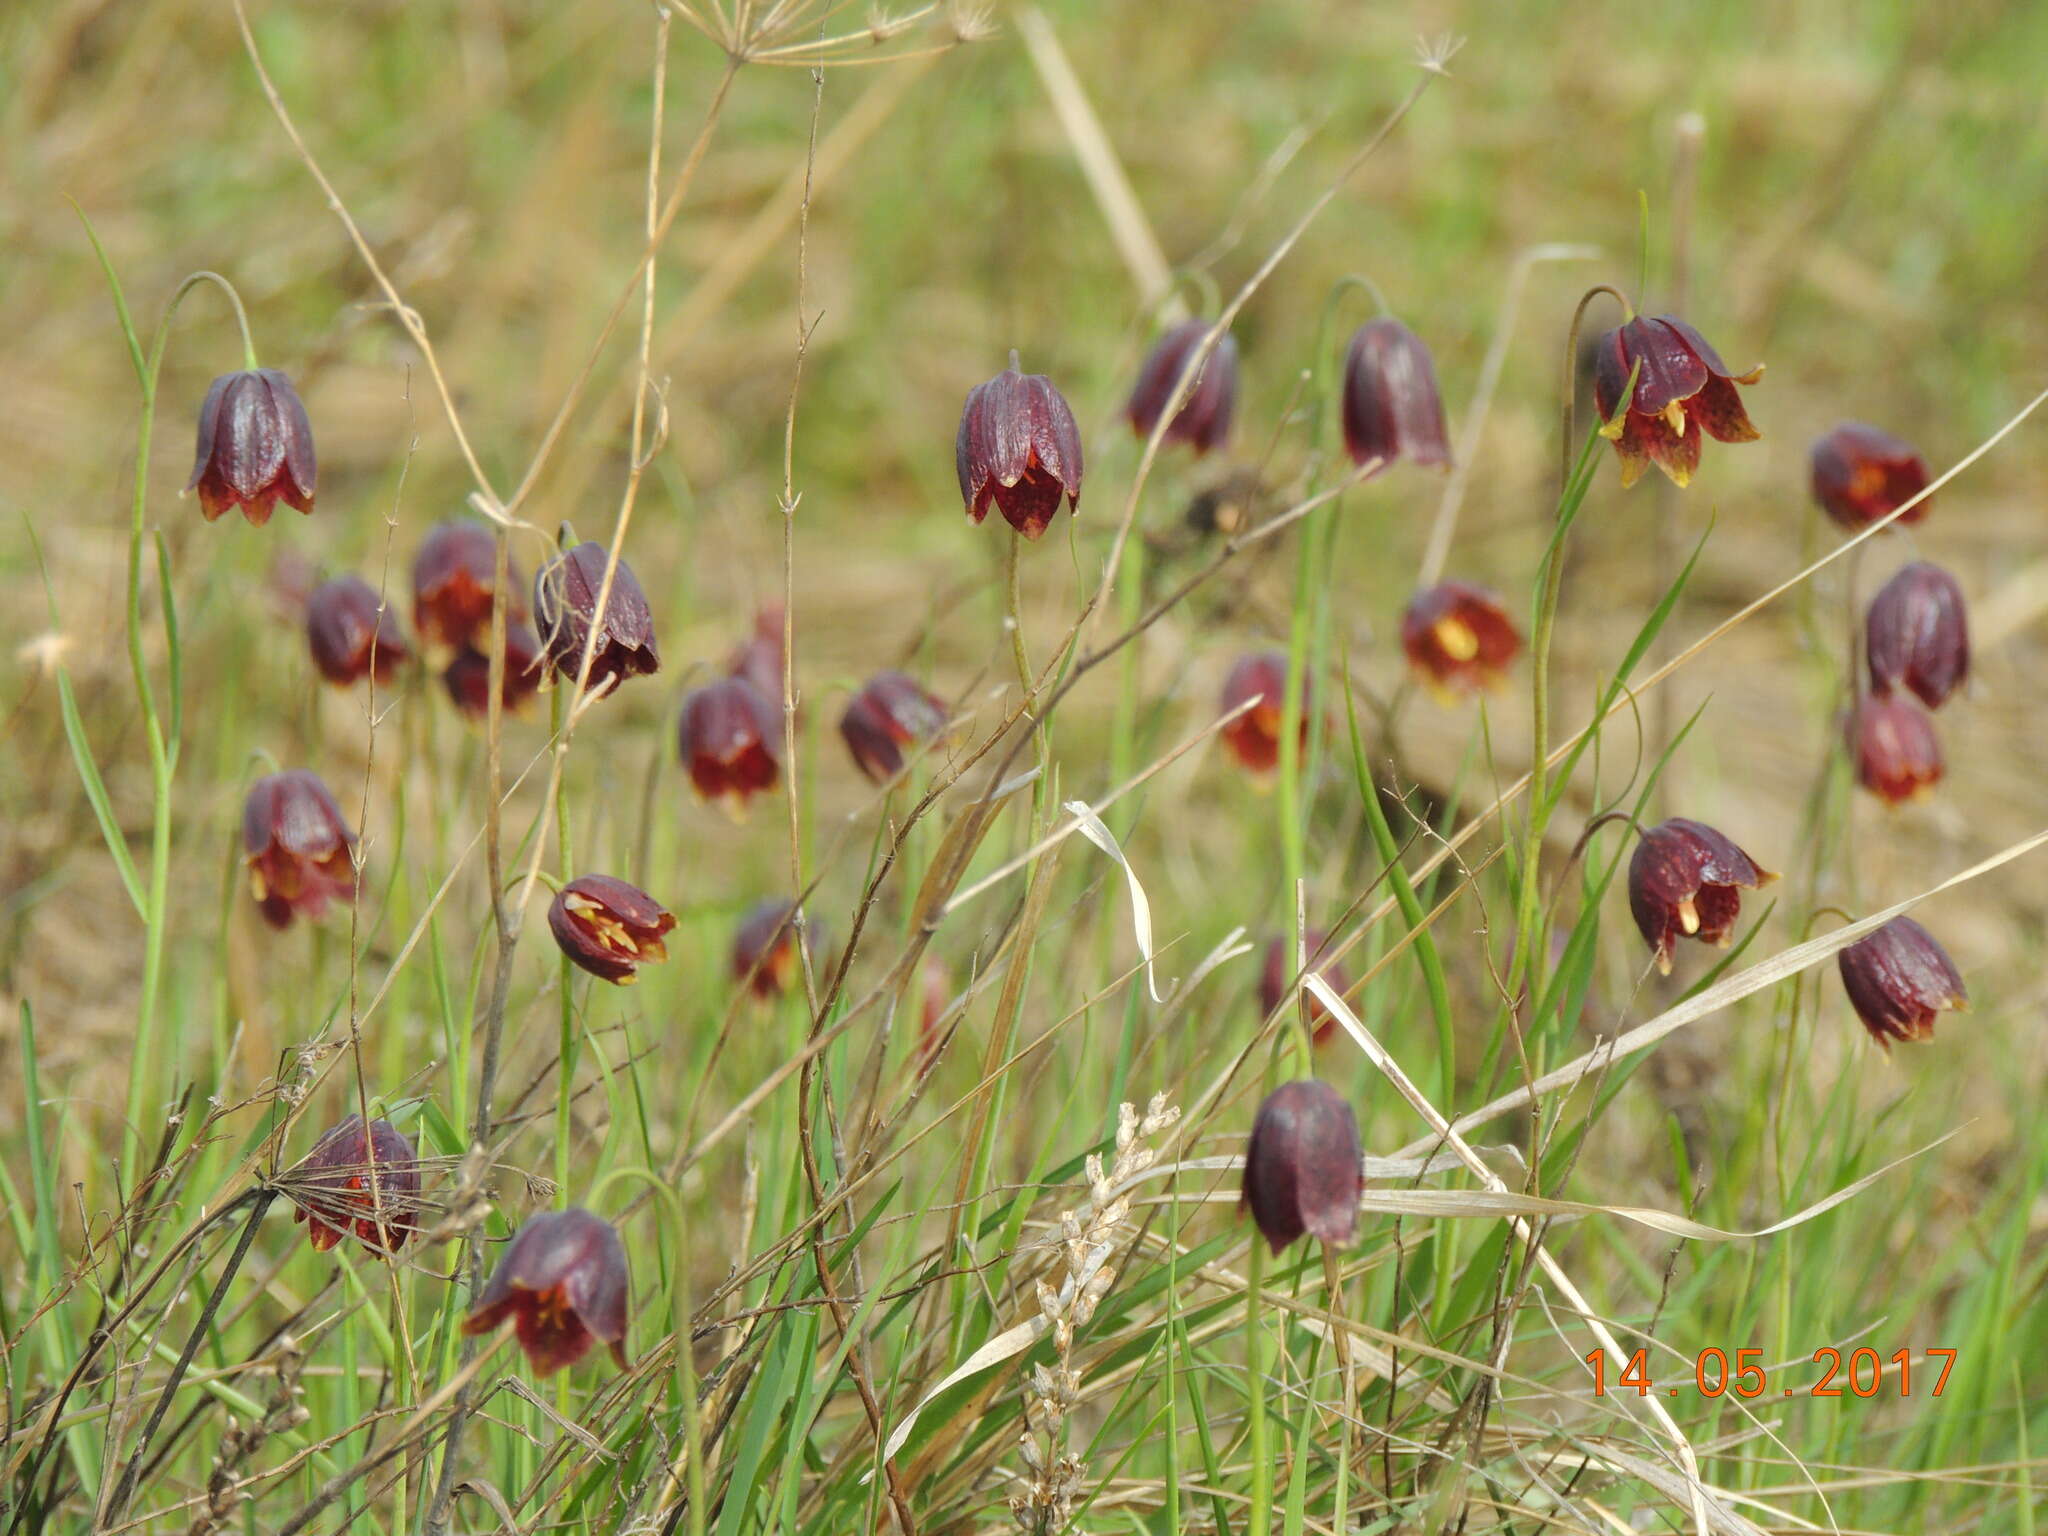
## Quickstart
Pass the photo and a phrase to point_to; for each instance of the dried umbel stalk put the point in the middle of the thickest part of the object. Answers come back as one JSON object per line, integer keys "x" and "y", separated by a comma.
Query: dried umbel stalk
{"x": 1089, "y": 1240}
{"x": 282, "y": 1411}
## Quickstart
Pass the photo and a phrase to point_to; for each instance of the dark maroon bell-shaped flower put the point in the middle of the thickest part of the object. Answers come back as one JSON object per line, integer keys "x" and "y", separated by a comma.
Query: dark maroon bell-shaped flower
{"x": 297, "y": 847}
{"x": 454, "y": 576}
{"x": 758, "y": 658}
{"x": 1203, "y": 421}
{"x": 1392, "y": 409}
{"x": 1898, "y": 979}
{"x": 353, "y": 1180}
{"x": 1916, "y": 635}
{"x": 1304, "y": 1170}
{"x": 1458, "y": 638}
{"x": 764, "y": 947}
{"x": 1254, "y": 736}
{"x": 565, "y": 611}
{"x": 890, "y": 713}
{"x": 563, "y": 1282}
{"x": 255, "y": 447}
{"x": 608, "y": 927}
{"x": 1897, "y": 754}
{"x": 1280, "y": 969}
{"x": 352, "y": 632}
{"x": 1019, "y": 448}
{"x": 1684, "y": 389}
{"x": 1861, "y": 474}
{"x": 730, "y": 738}
{"x": 468, "y": 674}
{"x": 1685, "y": 881}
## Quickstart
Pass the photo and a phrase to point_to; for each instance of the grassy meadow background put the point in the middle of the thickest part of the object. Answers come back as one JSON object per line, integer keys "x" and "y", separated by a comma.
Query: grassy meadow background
{"x": 1870, "y": 220}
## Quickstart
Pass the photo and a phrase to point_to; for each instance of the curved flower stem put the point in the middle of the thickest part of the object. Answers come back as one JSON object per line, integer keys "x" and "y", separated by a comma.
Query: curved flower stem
{"x": 1566, "y": 440}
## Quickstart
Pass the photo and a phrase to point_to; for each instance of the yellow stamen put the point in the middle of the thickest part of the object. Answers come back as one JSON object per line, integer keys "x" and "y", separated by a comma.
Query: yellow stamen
{"x": 1688, "y": 917}
{"x": 1456, "y": 637}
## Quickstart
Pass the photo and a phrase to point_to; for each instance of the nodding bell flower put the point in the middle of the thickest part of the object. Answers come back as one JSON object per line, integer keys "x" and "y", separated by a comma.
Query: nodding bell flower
{"x": 564, "y": 1285}
{"x": 1019, "y": 448}
{"x": 1916, "y": 634}
{"x": 1304, "y": 1168}
{"x": 255, "y": 447}
{"x": 1458, "y": 638}
{"x": 764, "y": 956}
{"x": 730, "y": 738}
{"x": 608, "y": 927}
{"x": 1203, "y": 421}
{"x": 1254, "y": 736}
{"x": 1392, "y": 409}
{"x": 1898, "y": 979}
{"x": 468, "y": 674}
{"x": 352, "y": 632}
{"x": 1897, "y": 754}
{"x": 759, "y": 657}
{"x": 1685, "y": 881}
{"x": 1861, "y": 474}
{"x": 1683, "y": 389}
{"x": 565, "y": 597}
{"x": 890, "y": 713}
{"x": 1280, "y": 968}
{"x": 296, "y": 846}
{"x": 454, "y": 577}
{"x": 357, "y": 1180}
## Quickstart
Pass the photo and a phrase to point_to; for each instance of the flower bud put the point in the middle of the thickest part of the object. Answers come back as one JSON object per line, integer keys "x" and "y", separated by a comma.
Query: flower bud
{"x": 1916, "y": 634}
{"x": 1682, "y": 389}
{"x": 352, "y": 633}
{"x": 1303, "y": 1169}
{"x": 352, "y": 1180}
{"x": 1391, "y": 408}
{"x": 1254, "y": 736}
{"x": 468, "y": 674}
{"x": 1458, "y": 638}
{"x": 886, "y": 716}
{"x": 296, "y": 846}
{"x": 1018, "y": 447}
{"x": 1897, "y": 754}
{"x": 255, "y": 447}
{"x": 730, "y": 739}
{"x": 1898, "y": 979}
{"x": 564, "y": 1284}
{"x": 454, "y": 577}
{"x": 1280, "y": 969}
{"x": 1861, "y": 474}
{"x": 1203, "y": 421}
{"x": 1685, "y": 880}
{"x": 608, "y": 927}
{"x": 565, "y": 595}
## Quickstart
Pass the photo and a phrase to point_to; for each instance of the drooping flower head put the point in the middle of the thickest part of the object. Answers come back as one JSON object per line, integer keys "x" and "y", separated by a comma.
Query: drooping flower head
{"x": 1896, "y": 751}
{"x": 1254, "y": 736}
{"x": 730, "y": 739}
{"x": 565, "y": 594}
{"x": 296, "y": 846}
{"x": 1304, "y": 1168}
{"x": 352, "y": 633}
{"x": 468, "y": 674}
{"x": 608, "y": 927}
{"x": 1898, "y": 979}
{"x": 1392, "y": 408}
{"x": 366, "y": 1182}
{"x": 1917, "y": 635}
{"x": 1280, "y": 969}
{"x": 764, "y": 955}
{"x": 255, "y": 447}
{"x": 1861, "y": 474}
{"x": 889, "y": 714}
{"x": 758, "y": 658}
{"x": 1458, "y": 638}
{"x": 1018, "y": 448}
{"x": 564, "y": 1284}
{"x": 1203, "y": 421}
{"x": 1685, "y": 881}
{"x": 1683, "y": 389}
{"x": 454, "y": 577}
